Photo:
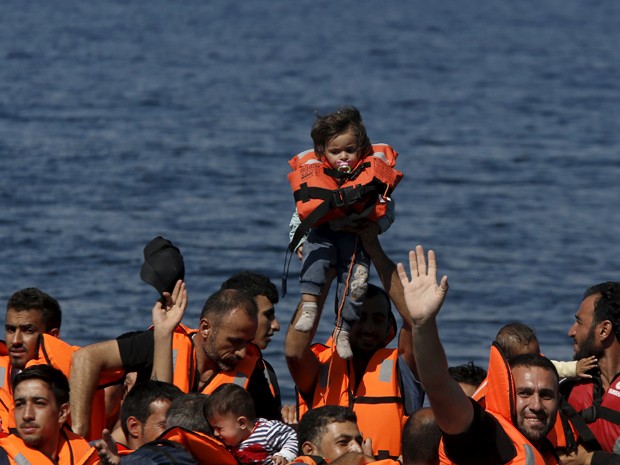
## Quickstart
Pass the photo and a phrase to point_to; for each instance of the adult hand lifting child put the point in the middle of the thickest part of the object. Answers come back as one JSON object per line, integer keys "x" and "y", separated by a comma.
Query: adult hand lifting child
{"x": 341, "y": 188}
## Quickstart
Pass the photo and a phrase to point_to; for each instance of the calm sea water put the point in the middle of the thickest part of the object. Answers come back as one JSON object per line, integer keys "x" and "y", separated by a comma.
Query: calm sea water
{"x": 120, "y": 121}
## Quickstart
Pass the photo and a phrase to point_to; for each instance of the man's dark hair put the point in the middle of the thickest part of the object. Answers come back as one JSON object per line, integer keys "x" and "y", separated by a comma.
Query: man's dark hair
{"x": 607, "y": 306}
{"x": 513, "y": 335}
{"x": 32, "y": 298}
{"x": 333, "y": 124}
{"x": 468, "y": 373}
{"x": 189, "y": 411}
{"x": 230, "y": 398}
{"x": 54, "y": 378}
{"x": 420, "y": 439}
{"x": 138, "y": 401}
{"x": 253, "y": 284}
{"x": 313, "y": 424}
{"x": 226, "y": 300}
{"x": 534, "y": 360}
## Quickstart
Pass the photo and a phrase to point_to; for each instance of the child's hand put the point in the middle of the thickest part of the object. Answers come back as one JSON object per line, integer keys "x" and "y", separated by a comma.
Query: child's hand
{"x": 584, "y": 365}
{"x": 278, "y": 460}
{"x": 299, "y": 251}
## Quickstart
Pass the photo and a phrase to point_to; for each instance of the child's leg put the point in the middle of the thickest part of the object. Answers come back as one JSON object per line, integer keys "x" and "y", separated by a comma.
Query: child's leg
{"x": 319, "y": 255}
{"x": 353, "y": 301}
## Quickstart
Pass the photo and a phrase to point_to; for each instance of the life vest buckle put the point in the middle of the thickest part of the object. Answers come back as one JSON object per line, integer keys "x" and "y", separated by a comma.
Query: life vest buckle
{"x": 589, "y": 414}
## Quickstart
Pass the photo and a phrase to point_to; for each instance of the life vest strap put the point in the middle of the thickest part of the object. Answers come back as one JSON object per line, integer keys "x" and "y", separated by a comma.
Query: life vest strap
{"x": 339, "y": 198}
{"x": 378, "y": 400}
{"x": 585, "y": 433}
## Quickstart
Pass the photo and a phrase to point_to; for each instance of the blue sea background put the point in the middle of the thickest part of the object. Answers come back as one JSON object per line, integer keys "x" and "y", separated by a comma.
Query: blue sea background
{"x": 120, "y": 121}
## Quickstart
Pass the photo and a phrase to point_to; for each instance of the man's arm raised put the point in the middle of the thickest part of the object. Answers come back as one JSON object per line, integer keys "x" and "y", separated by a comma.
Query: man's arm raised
{"x": 424, "y": 296}
{"x": 302, "y": 363}
{"x": 388, "y": 274}
{"x": 86, "y": 367}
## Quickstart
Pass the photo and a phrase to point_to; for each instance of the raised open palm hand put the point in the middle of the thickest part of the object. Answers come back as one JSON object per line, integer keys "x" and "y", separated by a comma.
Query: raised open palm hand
{"x": 423, "y": 295}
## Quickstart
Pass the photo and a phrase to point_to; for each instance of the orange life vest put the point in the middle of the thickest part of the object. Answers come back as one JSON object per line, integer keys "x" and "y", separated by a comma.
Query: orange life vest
{"x": 70, "y": 449}
{"x": 205, "y": 449}
{"x": 377, "y": 402}
{"x": 563, "y": 434}
{"x": 185, "y": 373}
{"x": 499, "y": 395}
{"x": 323, "y": 194}
{"x": 57, "y": 353}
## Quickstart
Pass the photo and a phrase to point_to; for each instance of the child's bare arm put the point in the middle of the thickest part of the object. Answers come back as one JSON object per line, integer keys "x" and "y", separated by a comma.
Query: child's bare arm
{"x": 584, "y": 365}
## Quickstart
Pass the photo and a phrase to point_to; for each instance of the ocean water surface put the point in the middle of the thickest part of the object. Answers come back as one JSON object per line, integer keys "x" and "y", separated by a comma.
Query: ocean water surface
{"x": 120, "y": 121}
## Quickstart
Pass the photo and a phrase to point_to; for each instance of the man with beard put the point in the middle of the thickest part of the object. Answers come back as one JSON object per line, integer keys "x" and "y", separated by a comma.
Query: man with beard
{"x": 377, "y": 382}
{"x": 596, "y": 332}
{"x": 214, "y": 354}
{"x": 522, "y": 400}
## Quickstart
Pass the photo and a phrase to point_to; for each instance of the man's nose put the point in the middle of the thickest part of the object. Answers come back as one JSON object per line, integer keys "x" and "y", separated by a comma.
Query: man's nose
{"x": 355, "y": 447}
{"x": 275, "y": 325}
{"x": 240, "y": 353}
{"x": 571, "y": 330}
{"x": 535, "y": 404}
{"x": 28, "y": 412}
{"x": 18, "y": 337}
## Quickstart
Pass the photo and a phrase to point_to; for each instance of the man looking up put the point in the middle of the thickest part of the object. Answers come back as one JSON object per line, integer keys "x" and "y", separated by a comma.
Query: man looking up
{"x": 521, "y": 403}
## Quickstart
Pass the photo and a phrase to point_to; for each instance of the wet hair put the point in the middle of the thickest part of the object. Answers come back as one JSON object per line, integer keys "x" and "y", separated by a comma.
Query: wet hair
{"x": 607, "y": 306}
{"x": 534, "y": 360}
{"x": 514, "y": 335}
{"x": 189, "y": 411}
{"x": 226, "y": 300}
{"x": 54, "y": 378}
{"x": 231, "y": 399}
{"x": 253, "y": 284}
{"x": 420, "y": 439}
{"x": 32, "y": 298}
{"x": 313, "y": 424}
{"x": 333, "y": 124}
{"x": 138, "y": 401}
{"x": 468, "y": 373}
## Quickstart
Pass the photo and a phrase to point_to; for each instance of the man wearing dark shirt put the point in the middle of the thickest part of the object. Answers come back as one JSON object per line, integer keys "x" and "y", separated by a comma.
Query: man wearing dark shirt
{"x": 217, "y": 349}
{"x": 512, "y": 426}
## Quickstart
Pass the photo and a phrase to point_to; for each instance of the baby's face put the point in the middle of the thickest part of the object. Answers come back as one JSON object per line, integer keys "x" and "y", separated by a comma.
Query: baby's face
{"x": 342, "y": 152}
{"x": 228, "y": 429}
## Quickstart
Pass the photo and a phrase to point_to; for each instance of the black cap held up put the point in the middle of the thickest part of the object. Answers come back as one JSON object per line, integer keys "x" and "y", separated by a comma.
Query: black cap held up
{"x": 163, "y": 265}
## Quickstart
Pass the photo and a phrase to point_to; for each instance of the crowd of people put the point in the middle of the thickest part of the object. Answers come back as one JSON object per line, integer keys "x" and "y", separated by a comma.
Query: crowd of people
{"x": 207, "y": 395}
{"x": 202, "y": 393}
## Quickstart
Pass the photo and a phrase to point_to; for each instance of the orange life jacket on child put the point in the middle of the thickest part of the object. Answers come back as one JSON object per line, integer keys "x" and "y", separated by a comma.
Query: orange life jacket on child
{"x": 323, "y": 194}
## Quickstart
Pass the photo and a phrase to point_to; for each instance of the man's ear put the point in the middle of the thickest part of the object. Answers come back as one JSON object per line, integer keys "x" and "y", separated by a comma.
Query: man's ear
{"x": 134, "y": 426}
{"x": 204, "y": 327}
{"x": 309, "y": 449}
{"x": 54, "y": 332}
{"x": 63, "y": 413}
{"x": 606, "y": 329}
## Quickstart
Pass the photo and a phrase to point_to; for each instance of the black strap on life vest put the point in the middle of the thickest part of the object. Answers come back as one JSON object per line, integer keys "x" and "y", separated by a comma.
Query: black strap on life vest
{"x": 333, "y": 199}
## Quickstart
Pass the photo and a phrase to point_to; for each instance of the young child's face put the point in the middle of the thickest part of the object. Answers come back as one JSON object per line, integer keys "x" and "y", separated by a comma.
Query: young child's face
{"x": 228, "y": 429}
{"x": 342, "y": 152}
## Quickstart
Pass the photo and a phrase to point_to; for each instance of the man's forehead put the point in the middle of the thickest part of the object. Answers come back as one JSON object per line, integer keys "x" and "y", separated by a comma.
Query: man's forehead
{"x": 31, "y": 316}
{"x": 343, "y": 428}
{"x": 33, "y": 388}
{"x": 527, "y": 376}
{"x": 586, "y": 308}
